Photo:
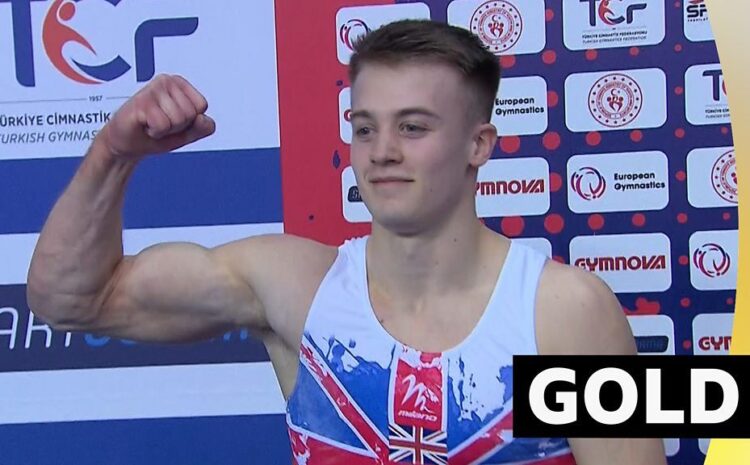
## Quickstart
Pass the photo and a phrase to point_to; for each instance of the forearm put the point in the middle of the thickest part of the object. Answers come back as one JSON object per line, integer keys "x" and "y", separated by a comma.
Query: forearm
{"x": 80, "y": 245}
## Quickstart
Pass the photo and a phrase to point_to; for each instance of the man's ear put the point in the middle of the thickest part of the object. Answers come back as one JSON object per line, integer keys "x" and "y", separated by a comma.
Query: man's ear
{"x": 485, "y": 139}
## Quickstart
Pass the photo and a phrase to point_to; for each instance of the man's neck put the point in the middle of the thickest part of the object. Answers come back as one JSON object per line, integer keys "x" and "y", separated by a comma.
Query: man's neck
{"x": 408, "y": 269}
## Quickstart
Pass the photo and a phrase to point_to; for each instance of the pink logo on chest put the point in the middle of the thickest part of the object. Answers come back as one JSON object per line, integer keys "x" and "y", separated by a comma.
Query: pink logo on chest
{"x": 417, "y": 390}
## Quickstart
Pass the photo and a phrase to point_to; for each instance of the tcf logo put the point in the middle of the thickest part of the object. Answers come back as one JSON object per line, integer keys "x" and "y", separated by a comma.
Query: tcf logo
{"x": 588, "y": 183}
{"x": 56, "y": 34}
{"x": 718, "y": 83}
{"x": 712, "y": 260}
{"x": 607, "y": 15}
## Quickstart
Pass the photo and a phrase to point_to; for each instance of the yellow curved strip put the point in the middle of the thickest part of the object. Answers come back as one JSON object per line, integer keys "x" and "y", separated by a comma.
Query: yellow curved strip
{"x": 729, "y": 21}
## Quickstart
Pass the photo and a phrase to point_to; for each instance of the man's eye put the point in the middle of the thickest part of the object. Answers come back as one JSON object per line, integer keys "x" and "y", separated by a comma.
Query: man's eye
{"x": 413, "y": 128}
{"x": 363, "y": 131}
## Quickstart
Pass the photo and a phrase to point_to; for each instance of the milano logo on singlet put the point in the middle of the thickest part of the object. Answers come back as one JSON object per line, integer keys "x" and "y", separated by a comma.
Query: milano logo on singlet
{"x": 418, "y": 391}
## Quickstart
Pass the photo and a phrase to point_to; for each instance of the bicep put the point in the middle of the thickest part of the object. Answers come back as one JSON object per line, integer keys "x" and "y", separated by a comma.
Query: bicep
{"x": 176, "y": 292}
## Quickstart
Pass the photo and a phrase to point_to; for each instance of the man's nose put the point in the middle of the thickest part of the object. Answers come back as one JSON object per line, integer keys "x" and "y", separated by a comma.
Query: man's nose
{"x": 386, "y": 149}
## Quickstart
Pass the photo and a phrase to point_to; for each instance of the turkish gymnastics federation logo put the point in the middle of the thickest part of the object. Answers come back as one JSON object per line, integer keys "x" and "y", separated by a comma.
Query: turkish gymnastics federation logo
{"x": 724, "y": 177}
{"x": 608, "y": 16}
{"x": 712, "y": 260}
{"x": 351, "y": 31}
{"x": 57, "y": 33}
{"x": 615, "y": 100}
{"x": 588, "y": 183}
{"x": 499, "y": 24}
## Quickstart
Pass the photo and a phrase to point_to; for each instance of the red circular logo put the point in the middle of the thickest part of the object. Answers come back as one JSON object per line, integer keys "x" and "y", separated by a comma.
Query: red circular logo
{"x": 498, "y": 24}
{"x": 588, "y": 183}
{"x": 724, "y": 177}
{"x": 351, "y": 31}
{"x": 615, "y": 100}
{"x": 712, "y": 260}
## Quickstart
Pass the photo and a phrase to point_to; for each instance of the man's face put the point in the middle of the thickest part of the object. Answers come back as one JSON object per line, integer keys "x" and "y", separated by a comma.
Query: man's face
{"x": 413, "y": 135}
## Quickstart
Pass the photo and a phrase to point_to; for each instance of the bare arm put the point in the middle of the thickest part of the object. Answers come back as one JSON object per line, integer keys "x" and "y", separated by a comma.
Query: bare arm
{"x": 583, "y": 304}
{"x": 80, "y": 279}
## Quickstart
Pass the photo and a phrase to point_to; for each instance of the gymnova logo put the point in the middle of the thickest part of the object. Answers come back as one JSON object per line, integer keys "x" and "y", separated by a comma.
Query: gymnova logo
{"x": 626, "y": 262}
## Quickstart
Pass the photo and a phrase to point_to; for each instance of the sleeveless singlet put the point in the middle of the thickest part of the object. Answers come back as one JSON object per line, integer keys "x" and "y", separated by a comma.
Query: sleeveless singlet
{"x": 362, "y": 397}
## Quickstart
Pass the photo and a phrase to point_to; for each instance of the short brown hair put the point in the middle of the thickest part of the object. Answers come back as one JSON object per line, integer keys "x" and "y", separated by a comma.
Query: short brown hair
{"x": 430, "y": 41}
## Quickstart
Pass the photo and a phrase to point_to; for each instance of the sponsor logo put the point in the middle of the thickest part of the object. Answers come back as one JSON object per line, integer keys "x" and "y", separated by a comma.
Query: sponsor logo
{"x": 345, "y": 118}
{"x": 718, "y": 85}
{"x": 418, "y": 390}
{"x": 712, "y": 260}
{"x": 588, "y": 183}
{"x": 521, "y": 106}
{"x": 610, "y": 13}
{"x": 592, "y": 24}
{"x": 654, "y": 334}
{"x": 712, "y": 333}
{"x": 354, "y": 22}
{"x": 417, "y": 400}
{"x": 514, "y": 186}
{"x": 716, "y": 343}
{"x": 713, "y": 264}
{"x": 696, "y": 25}
{"x": 696, "y": 10}
{"x": 354, "y": 209}
{"x": 619, "y": 263}
{"x": 626, "y": 262}
{"x": 351, "y": 31}
{"x": 499, "y": 24}
{"x": 706, "y": 95}
{"x": 712, "y": 177}
{"x": 603, "y": 182}
{"x": 615, "y": 100}
{"x": 69, "y": 65}
{"x": 353, "y": 195}
{"x": 503, "y": 26}
{"x": 57, "y": 32}
{"x": 724, "y": 177}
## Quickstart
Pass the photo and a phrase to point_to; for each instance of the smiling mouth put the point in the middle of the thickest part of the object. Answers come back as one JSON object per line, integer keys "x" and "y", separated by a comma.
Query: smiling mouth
{"x": 389, "y": 180}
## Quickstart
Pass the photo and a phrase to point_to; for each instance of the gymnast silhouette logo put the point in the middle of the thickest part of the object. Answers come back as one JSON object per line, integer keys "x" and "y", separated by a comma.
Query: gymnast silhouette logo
{"x": 607, "y": 12}
{"x": 615, "y": 100}
{"x": 712, "y": 260}
{"x": 588, "y": 183}
{"x": 58, "y": 33}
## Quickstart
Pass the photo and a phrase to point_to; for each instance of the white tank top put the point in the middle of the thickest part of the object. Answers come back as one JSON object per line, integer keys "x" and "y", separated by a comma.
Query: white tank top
{"x": 362, "y": 397}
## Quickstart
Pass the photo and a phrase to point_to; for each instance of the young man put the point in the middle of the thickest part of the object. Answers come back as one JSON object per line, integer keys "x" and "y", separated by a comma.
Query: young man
{"x": 400, "y": 338}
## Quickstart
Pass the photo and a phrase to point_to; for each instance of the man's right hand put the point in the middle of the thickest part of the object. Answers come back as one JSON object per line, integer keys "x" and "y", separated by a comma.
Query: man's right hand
{"x": 165, "y": 115}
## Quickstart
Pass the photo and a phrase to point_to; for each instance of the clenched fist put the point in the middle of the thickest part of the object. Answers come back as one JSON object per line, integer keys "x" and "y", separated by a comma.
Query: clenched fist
{"x": 166, "y": 114}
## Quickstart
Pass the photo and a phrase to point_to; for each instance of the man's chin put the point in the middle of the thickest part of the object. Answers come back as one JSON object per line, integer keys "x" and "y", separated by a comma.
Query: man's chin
{"x": 401, "y": 224}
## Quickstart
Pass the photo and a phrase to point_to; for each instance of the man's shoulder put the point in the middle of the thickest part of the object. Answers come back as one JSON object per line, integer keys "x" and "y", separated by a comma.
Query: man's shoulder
{"x": 284, "y": 269}
{"x": 279, "y": 249}
{"x": 578, "y": 313}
